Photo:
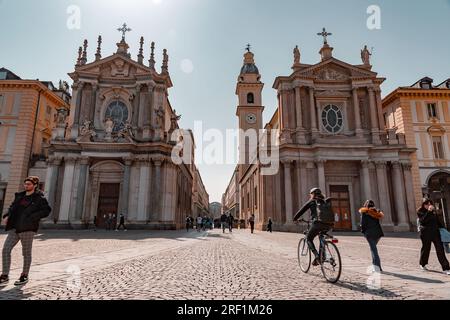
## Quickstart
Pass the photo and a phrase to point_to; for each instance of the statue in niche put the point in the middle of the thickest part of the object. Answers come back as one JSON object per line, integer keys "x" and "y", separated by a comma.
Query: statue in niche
{"x": 60, "y": 117}
{"x": 109, "y": 128}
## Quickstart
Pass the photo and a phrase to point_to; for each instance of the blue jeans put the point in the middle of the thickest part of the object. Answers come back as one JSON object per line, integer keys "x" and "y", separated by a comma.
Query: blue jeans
{"x": 374, "y": 251}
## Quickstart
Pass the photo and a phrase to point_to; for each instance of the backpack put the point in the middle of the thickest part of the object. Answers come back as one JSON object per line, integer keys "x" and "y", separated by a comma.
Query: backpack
{"x": 324, "y": 212}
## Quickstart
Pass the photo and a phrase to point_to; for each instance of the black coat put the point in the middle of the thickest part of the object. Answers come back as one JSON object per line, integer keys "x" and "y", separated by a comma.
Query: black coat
{"x": 371, "y": 227}
{"x": 429, "y": 223}
{"x": 30, "y": 217}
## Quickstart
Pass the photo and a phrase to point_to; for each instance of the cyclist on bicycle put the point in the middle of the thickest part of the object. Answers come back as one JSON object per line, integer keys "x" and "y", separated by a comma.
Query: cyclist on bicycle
{"x": 322, "y": 219}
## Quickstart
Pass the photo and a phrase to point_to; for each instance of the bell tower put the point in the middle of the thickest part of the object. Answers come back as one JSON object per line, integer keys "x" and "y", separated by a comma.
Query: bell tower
{"x": 249, "y": 110}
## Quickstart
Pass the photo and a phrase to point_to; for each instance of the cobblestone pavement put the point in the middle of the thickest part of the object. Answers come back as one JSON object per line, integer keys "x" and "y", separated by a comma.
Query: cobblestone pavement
{"x": 214, "y": 266}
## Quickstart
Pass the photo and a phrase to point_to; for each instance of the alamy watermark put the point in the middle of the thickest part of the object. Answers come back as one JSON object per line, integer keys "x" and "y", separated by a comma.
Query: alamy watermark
{"x": 374, "y": 19}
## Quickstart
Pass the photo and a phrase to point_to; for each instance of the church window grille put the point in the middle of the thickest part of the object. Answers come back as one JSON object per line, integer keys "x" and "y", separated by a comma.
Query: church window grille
{"x": 332, "y": 119}
{"x": 118, "y": 112}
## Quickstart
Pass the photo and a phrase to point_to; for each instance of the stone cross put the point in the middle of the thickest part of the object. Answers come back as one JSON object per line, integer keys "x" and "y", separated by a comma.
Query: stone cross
{"x": 248, "y": 48}
{"x": 124, "y": 30}
{"x": 324, "y": 34}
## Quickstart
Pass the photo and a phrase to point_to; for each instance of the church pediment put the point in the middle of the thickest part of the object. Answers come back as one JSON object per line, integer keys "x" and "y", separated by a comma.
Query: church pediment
{"x": 115, "y": 66}
{"x": 335, "y": 70}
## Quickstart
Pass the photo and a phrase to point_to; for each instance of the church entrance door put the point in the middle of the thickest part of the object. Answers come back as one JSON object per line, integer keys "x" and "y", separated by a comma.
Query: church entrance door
{"x": 108, "y": 204}
{"x": 341, "y": 207}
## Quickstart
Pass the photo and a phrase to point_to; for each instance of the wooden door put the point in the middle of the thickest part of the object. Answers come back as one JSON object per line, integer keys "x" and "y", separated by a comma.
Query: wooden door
{"x": 108, "y": 203}
{"x": 341, "y": 207}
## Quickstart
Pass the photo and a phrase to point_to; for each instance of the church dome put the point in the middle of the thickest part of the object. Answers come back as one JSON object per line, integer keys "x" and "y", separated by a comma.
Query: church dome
{"x": 249, "y": 68}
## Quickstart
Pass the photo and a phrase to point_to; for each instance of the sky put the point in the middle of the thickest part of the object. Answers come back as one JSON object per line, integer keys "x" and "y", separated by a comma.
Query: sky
{"x": 206, "y": 40}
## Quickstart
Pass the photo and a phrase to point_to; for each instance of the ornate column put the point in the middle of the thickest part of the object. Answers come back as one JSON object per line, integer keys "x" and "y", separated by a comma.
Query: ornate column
{"x": 321, "y": 175}
{"x": 144, "y": 168}
{"x": 66, "y": 195}
{"x": 304, "y": 181}
{"x": 157, "y": 188}
{"x": 409, "y": 187}
{"x": 148, "y": 109}
{"x": 379, "y": 105}
{"x": 77, "y": 94}
{"x": 125, "y": 196}
{"x": 137, "y": 101}
{"x": 81, "y": 191}
{"x": 374, "y": 117}
{"x": 312, "y": 104}
{"x": 285, "y": 129}
{"x": 365, "y": 173}
{"x": 93, "y": 102}
{"x": 300, "y": 130}
{"x": 383, "y": 192}
{"x": 288, "y": 191}
{"x": 51, "y": 180}
{"x": 400, "y": 201}
{"x": 357, "y": 112}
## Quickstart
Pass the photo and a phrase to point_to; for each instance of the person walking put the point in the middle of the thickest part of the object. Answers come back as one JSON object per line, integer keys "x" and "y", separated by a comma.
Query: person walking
{"x": 199, "y": 223}
{"x": 95, "y": 223}
{"x": 429, "y": 225}
{"x": 188, "y": 223}
{"x": 223, "y": 221}
{"x": 269, "y": 225}
{"x": 22, "y": 224}
{"x": 230, "y": 222}
{"x": 251, "y": 220}
{"x": 121, "y": 223}
{"x": 371, "y": 228}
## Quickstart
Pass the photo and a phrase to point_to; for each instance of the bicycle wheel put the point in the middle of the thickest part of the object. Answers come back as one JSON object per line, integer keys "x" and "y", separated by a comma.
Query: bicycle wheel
{"x": 304, "y": 255}
{"x": 331, "y": 263}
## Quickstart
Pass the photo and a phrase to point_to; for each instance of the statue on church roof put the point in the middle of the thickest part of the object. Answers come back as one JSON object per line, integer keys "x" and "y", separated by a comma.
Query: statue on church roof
{"x": 296, "y": 55}
{"x": 173, "y": 120}
{"x": 365, "y": 56}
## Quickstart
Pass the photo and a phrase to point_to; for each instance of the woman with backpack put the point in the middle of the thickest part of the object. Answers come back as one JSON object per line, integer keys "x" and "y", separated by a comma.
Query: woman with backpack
{"x": 429, "y": 225}
{"x": 371, "y": 228}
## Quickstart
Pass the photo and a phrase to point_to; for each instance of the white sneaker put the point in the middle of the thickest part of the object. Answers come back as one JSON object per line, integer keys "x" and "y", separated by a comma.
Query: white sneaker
{"x": 447, "y": 272}
{"x": 423, "y": 268}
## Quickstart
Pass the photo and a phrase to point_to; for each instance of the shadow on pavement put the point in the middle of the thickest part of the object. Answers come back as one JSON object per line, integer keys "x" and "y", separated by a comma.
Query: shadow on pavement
{"x": 15, "y": 293}
{"x": 412, "y": 278}
{"x": 363, "y": 288}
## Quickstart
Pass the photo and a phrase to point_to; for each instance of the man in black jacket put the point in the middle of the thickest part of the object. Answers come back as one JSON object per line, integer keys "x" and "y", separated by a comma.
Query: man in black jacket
{"x": 27, "y": 209}
{"x": 317, "y": 226}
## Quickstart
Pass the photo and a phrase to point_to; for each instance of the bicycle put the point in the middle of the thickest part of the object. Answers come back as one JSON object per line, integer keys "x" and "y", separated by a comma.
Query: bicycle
{"x": 329, "y": 256}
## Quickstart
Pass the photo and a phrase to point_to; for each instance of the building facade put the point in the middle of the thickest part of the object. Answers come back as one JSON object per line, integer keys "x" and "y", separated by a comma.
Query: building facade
{"x": 230, "y": 199}
{"x": 28, "y": 110}
{"x": 200, "y": 196}
{"x": 115, "y": 156}
{"x": 332, "y": 136}
{"x": 422, "y": 113}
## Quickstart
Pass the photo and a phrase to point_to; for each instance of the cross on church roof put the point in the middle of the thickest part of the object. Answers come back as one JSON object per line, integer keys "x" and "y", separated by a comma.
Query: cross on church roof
{"x": 248, "y": 48}
{"x": 124, "y": 30}
{"x": 324, "y": 34}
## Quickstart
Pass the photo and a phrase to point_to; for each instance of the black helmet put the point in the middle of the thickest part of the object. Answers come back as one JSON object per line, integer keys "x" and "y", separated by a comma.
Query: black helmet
{"x": 315, "y": 191}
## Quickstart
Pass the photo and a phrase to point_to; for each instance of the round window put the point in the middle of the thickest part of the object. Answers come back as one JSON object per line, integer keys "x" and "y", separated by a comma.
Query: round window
{"x": 118, "y": 112}
{"x": 332, "y": 119}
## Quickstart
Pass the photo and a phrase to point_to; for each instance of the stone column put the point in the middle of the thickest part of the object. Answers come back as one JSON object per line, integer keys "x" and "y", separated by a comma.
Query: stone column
{"x": 125, "y": 196}
{"x": 312, "y": 104}
{"x": 66, "y": 195}
{"x": 304, "y": 181}
{"x": 365, "y": 173}
{"x": 374, "y": 117}
{"x": 93, "y": 102}
{"x": 357, "y": 112}
{"x": 81, "y": 191}
{"x": 285, "y": 129}
{"x": 288, "y": 191}
{"x": 321, "y": 175}
{"x": 400, "y": 200}
{"x": 148, "y": 110}
{"x": 379, "y": 105}
{"x": 136, "y": 109}
{"x": 144, "y": 165}
{"x": 157, "y": 188}
{"x": 51, "y": 181}
{"x": 300, "y": 130}
{"x": 383, "y": 192}
{"x": 77, "y": 94}
{"x": 409, "y": 187}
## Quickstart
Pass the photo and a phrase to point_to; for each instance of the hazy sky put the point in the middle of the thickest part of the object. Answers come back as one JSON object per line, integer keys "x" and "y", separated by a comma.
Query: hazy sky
{"x": 206, "y": 41}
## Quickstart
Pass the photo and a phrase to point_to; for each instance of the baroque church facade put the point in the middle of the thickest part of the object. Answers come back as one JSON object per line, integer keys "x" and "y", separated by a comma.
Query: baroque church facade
{"x": 112, "y": 153}
{"x": 331, "y": 135}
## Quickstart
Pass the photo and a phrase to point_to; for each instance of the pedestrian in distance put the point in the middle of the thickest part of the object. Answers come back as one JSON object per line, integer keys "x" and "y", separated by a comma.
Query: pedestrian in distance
{"x": 251, "y": 221}
{"x": 230, "y": 222}
{"x": 121, "y": 223}
{"x": 223, "y": 221}
{"x": 269, "y": 225}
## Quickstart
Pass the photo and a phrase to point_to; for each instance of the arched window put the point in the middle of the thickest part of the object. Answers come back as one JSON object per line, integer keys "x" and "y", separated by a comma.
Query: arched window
{"x": 250, "y": 98}
{"x": 118, "y": 112}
